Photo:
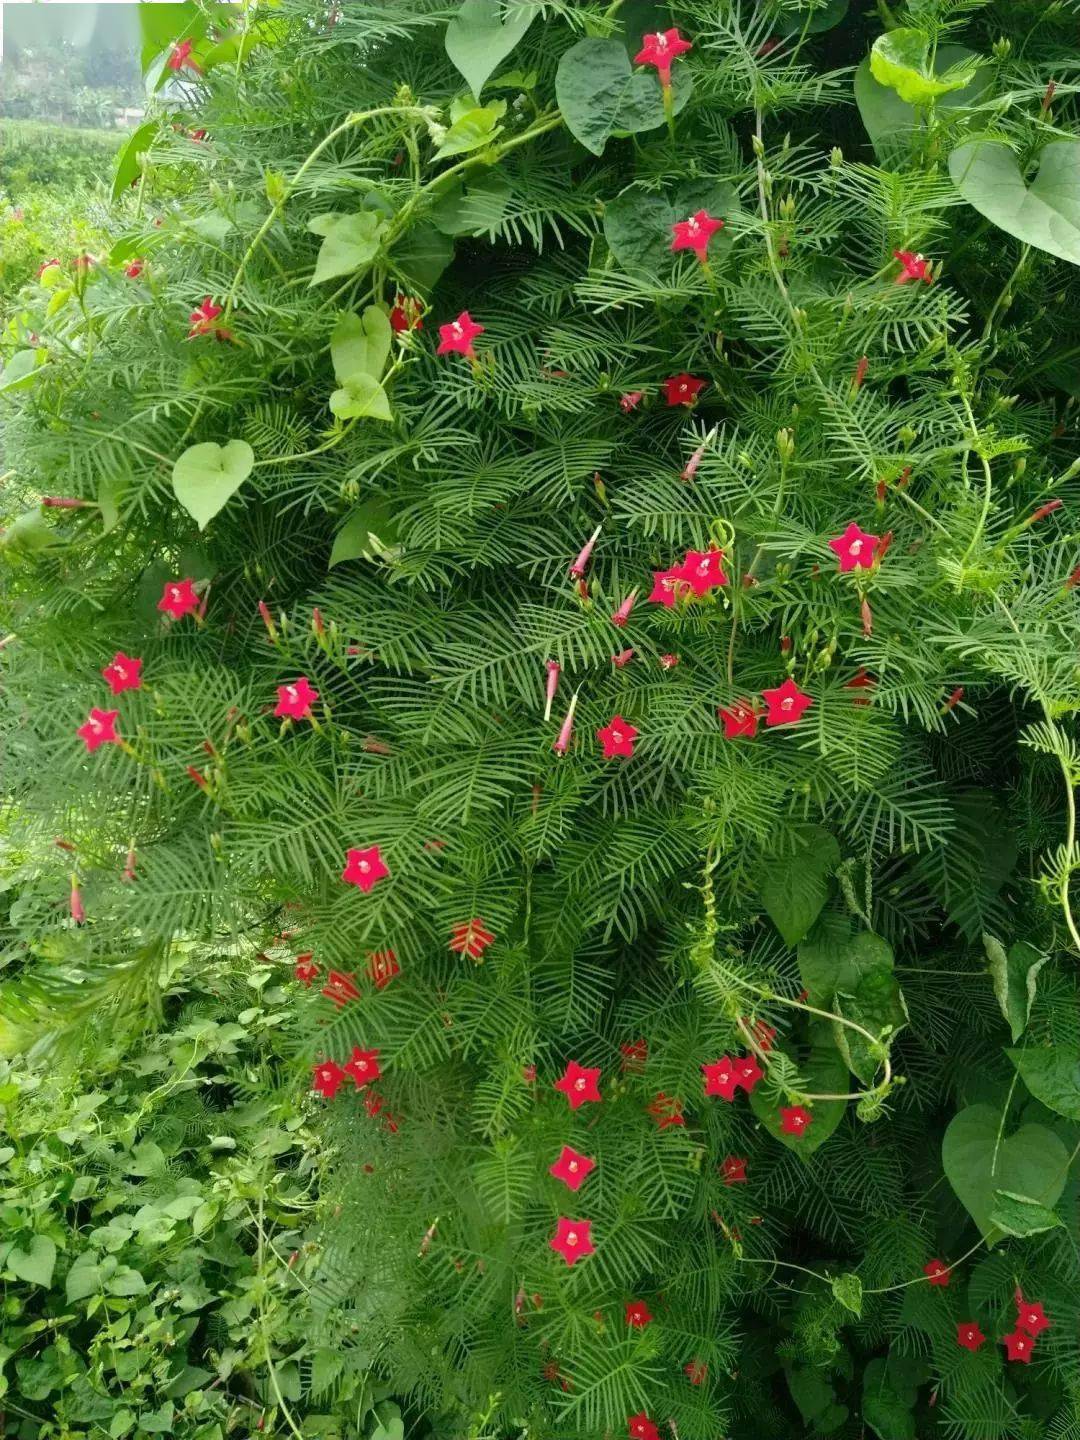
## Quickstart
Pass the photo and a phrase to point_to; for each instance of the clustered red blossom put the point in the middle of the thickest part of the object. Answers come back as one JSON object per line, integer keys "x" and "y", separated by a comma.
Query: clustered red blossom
{"x": 1031, "y": 1321}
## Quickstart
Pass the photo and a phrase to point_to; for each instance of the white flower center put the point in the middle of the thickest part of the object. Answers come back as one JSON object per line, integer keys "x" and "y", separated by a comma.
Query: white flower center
{"x": 364, "y": 867}
{"x": 572, "y": 1238}
{"x": 175, "y": 592}
{"x": 458, "y": 330}
{"x": 787, "y": 704}
{"x": 855, "y": 548}
{"x": 573, "y": 1167}
{"x": 661, "y": 42}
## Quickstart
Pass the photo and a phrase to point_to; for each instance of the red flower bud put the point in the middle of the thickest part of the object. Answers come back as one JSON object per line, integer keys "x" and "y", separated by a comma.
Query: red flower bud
{"x": 1044, "y": 510}
{"x": 860, "y": 372}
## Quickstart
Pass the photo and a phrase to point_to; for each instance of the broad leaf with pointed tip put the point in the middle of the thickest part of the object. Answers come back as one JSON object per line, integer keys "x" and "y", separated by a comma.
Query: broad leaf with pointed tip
{"x": 34, "y": 1264}
{"x": 1019, "y": 1215}
{"x": 472, "y": 130}
{"x": 601, "y": 95}
{"x": 901, "y": 59}
{"x": 1044, "y": 214}
{"x": 637, "y": 223}
{"x": 478, "y": 39}
{"x": 1031, "y": 1161}
{"x": 349, "y": 241}
{"x": 794, "y": 888}
{"x": 360, "y": 397}
{"x": 361, "y": 343}
{"x": 1052, "y": 1074}
{"x": 825, "y": 1074}
{"x": 1014, "y": 974}
{"x": 205, "y": 477}
{"x": 128, "y": 162}
{"x": 369, "y": 533}
{"x": 891, "y": 122}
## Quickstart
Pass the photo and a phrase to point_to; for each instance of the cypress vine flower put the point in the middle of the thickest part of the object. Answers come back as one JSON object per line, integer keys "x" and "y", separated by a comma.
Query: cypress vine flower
{"x": 661, "y": 49}
{"x": 747, "y": 1073}
{"x": 456, "y": 337}
{"x": 327, "y": 1078}
{"x": 180, "y": 55}
{"x": 913, "y": 266}
{"x": 1019, "y": 1346}
{"x": 295, "y": 700}
{"x": 364, "y": 868}
{"x": 572, "y": 1168}
{"x": 794, "y": 1119}
{"x": 969, "y": 1335}
{"x": 733, "y": 1170}
{"x": 703, "y": 569}
{"x": 471, "y": 938}
{"x": 665, "y": 586}
{"x": 720, "y": 1078}
{"x": 340, "y": 988}
{"x": 937, "y": 1272}
{"x": 855, "y": 549}
{"x": 740, "y": 719}
{"x": 201, "y": 322}
{"x": 99, "y": 728}
{"x": 178, "y": 598}
{"x": 785, "y": 705}
{"x": 637, "y": 1314}
{"x": 305, "y": 969}
{"x": 123, "y": 673}
{"x": 406, "y": 314}
{"x": 580, "y": 1084}
{"x": 617, "y": 738}
{"x": 683, "y": 389}
{"x": 363, "y": 1067}
{"x": 695, "y": 234}
{"x": 641, "y": 1427}
{"x": 1031, "y": 1316}
{"x": 573, "y": 1240}
{"x": 382, "y": 966}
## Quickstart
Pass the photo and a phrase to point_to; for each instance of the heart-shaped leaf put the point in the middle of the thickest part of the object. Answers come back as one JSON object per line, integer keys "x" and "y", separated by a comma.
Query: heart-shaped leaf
{"x": 1032, "y": 1162}
{"x": 361, "y": 397}
{"x": 1014, "y": 973}
{"x": 20, "y": 372}
{"x": 206, "y": 476}
{"x": 421, "y": 256}
{"x": 901, "y": 59}
{"x": 361, "y": 343}
{"x": 848, "y": 1290}
{"x": 601, "y": 95}
{"x": 1019, "y": 1215}
{"x": 637, "y": 223}
{"x": 794, "y": 888}
{"x": 473, "y": 129}
{"x": 1052, "y": 1074}
{"x": 35, "y": 1263}
{"x": 825, "y": 1074}
{"x": 1044, "y": 214}
{"x": 473, "y": 206}
{"x": 349, "y": 241}
{"x": 369, "y": 533}
{"x": 833, "y": 959}
{"x": 891, "y": 122}
{"x": 877, "y": 1004}
{"x": 478, "y": 39}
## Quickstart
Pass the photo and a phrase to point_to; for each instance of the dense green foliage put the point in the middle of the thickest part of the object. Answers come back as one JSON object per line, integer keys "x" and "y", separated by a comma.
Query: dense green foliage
{"x": 869, "y": 901}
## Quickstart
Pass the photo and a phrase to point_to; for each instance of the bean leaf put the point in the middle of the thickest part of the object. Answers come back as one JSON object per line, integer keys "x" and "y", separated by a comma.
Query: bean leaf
{"x": 600, "y": 95}
{"x": 206, "y": 476}
{"x": 901, "y": 60}
{"x": 1044, "y": 214}
{"x": 360, "y": 396}
{"x": 478, "y": 40}
{"x": 1019, "y": 1215}
{"x": 361, "y": 343}
{"x": 979, "y": 1159}
{"x": 34, "y": 1264}
{"x": 349, "y": 241}
{"x": 1052, "y": 1074}
{"x": 1014, "y": 973}
{"x": 794, "y": 888}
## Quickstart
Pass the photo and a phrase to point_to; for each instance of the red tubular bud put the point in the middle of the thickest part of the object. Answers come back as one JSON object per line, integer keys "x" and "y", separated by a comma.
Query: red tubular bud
{"x": 953, "y": 700}
{"x": 1048, "y": 96}
{"x": 1070, "y": 584}
{"x": 63, "y": 502}
{"x": 268, "y": 620}
{"x": 78, "y": 910}
{"x": 1044, "y": 510}
{"x": 317, "y": 622}
{"x": 198, "y": 778}
{"x": 562, "y": 744}
{"x": 860, "y": 372}
{"x": 867, "y": 618}
{"x": 554, "y": 670}
{"x": 622, "y": 614}
{"x": 577, "y": 570}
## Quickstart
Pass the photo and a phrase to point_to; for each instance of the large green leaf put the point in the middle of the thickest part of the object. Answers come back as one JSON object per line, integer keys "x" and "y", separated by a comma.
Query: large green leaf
{"x": 1032, "y": 1161}
{"x": 349, "y": 241}
{"x": 877, "y": 1004}
{"x": 128, "y": 166}
{"x": 901, "y": 59}
{"x": 890, "y": 1390}
{"x": 421, "y": 256}
{"x": 891, "y": 122}
{"x": 1044, "y": 214}
{"x": 34, "y": 1264}
{"x": 206, "y": 476}
{"x": 1052, "y": 1074}
{"x": 360, "y": 396}
{"x": 473, "y": 129}
{"x": 20, "y": 372}
{"x": 478, "y": 38}
{"x": 832, "y": 958}
{"x": 637, "y": 223}
{"x": 361, "y": 343}
{"x": 601, "y": 95}
{"x": 474, "y": 205}
{"x": 826, "y": 14}
{"x": 794, "y": 888}
{"x": 825, "y": 1074}
{"x": 1014, "y": 973}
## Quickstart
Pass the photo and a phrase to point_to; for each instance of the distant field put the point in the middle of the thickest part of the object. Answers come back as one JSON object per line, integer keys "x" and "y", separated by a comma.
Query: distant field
{"x": 34, "y": 156}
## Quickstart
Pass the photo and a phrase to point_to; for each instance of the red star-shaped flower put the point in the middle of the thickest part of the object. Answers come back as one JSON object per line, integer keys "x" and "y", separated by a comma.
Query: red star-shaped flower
{"x": 641, "y": 1427}
{"x": 180, "y": 55}
{"x": 305, "y": 969}
{"x": 683, "y": 389}
{"x": 178, "y": 598}
{"x": 720, "y": 1078}
{"x": 666, "y": 583}
{"x": 456, "y": 338}
{"x": 1031, "y": 1317}
{"x": 969, "y": 1335}
{"x": 295, "y": 700}
{"x": 340, "y": 988}
{"x": 406, "y": 314}
{"x": 855, "y": 548}
{"x": 794, "y": 1120}
{"x": 786, "y": 704}
{"x": 328, "y": 1078}
{"x": 912, "y": 267}
{"x": 99, "y": 728}
{"x": 631, "y": 400}
{"x": 637, "y": 1314}
{"x": 696, "y": 1372}
{"x": 364, "y": 868}
{"x": 579, "y": 1084}
{"x": 695, "y": 233}
{"x": 1019, "y": 1346}
{"x": 747, "y": 1073}
{"x": 122, "y": 673}
{"x": 617, "y": 738}
{"x": 470, "y": 938}
{"x": 938, "y": 1272}
{"x": 733, "y": 1170}
{"x": 660, "y": 49}
{"x": 572, "y": 1239}
{"x": 201, "y": 322}
{"x": 702, "y": 569}
{"x": 135, "y": 268}
{"x": 572, "y": 1168}
{"x": 382, "y": 966}
{"x": 363, "y": 1067}
{"x": 740, "y": 718}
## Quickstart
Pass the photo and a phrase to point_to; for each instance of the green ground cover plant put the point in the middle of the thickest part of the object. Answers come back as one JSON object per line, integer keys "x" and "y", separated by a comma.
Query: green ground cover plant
{"x": 547, "y": 532}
